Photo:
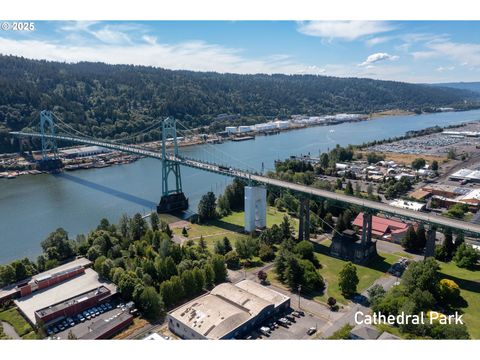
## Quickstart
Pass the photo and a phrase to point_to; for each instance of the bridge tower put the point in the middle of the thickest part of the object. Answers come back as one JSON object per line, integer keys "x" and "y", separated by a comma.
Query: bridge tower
{"x": 47, "y": 127}
{"x": 173, "y": 199}
{"x": 50, "y": 160}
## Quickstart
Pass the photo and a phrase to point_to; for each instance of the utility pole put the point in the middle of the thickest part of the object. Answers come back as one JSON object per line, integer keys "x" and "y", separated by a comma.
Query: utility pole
{"x": 299, "y": 291}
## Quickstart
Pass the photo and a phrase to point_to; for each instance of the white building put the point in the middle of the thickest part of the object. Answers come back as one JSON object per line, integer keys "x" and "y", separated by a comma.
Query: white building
{"x": 245, "y": 128}
{"x": 409, "y": 205}
{"x": 282, "y": 124}
{"x": 231, "y": 129}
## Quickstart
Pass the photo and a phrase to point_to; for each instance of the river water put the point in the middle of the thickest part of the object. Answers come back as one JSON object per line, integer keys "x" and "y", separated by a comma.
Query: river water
{"x": 33, "y": 206}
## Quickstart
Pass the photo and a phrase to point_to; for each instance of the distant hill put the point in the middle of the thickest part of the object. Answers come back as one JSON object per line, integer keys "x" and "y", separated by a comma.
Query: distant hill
{"x": 472, "y": 86}
{"x": 112, "y": 101}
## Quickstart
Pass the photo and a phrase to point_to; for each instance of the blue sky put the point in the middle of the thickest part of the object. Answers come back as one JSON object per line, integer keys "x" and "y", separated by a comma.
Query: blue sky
{"x": 412, "y": 51}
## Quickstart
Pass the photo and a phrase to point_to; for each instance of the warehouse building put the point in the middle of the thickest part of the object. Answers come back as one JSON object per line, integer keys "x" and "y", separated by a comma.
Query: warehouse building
{"x": 84, "y": 151}
{"x": 228, "y": 311}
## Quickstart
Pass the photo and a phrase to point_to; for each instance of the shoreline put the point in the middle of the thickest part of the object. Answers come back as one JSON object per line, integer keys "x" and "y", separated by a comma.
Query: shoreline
{"x": 212, "y": 139}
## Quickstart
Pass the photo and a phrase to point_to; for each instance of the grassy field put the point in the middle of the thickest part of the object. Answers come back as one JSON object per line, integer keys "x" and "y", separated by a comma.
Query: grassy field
{"x": 230, "y": 226}
{"x": 331, "y": 267}
{"x": 14, "y": 318}
{"x": 469, "y": 282}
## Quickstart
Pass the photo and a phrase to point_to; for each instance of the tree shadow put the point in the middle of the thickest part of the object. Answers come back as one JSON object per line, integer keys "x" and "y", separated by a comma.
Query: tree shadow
{"x": 107, "y": 190}
{"x": 224, "y": 225}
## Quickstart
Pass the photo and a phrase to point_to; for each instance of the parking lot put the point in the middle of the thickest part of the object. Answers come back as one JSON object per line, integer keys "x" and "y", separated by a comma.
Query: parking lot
{"x": 297, "y": 330}
{"x": 88, "y": 321}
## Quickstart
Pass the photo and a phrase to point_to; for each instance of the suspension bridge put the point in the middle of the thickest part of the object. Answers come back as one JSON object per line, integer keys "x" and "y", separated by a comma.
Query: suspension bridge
{"x": 173, "y": 199}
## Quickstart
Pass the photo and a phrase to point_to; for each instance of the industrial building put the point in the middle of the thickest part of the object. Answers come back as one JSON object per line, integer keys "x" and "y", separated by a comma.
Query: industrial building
{"x": 409, "y": 205}
{"x": 62, "y": 288}
{"x": 84, "y": 151}
{"x": 467, "y": 175}
{"x": 228, "y": 311}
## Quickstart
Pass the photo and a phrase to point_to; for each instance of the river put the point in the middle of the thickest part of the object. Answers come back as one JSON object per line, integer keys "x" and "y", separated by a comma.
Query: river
{"x": 33, "y": 206}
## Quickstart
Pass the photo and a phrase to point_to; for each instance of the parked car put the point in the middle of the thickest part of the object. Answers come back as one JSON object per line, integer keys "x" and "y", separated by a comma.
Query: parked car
{"x": 301, "y": 313}
{"x": 311, "y": 331}
{"x": 61, "y": 327}
{"x": 103, "y": 307}
{"x": 49, "y": 332}
{"x": 55, "y": 330}
{"x": 290, "y": 318}
{"x": 109, "y": 306}
{"x": 265, "y": 330}
{"x": 296, "y": 314}
{"x": 70, "y": 322}
{"x": 282, "y": 321}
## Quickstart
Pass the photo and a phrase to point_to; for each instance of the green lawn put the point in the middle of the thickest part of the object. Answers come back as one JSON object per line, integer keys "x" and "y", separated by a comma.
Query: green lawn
{"x": 331, "y": 267}
{"x": 14, "y": 318}
{"x": 469, "y": 282}
{"x": 230, "y": 226}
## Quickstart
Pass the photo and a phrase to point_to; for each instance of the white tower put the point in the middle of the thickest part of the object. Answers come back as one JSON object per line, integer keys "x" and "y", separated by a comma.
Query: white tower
{"x": 255, "y": 207}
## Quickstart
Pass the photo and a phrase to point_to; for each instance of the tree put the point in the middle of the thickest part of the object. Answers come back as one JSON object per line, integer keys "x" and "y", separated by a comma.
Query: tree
{"x": 451, "y": 155}
{"x": 331, "y": 301}
{"x": 422, "y": 275}
{"x": 219, "y": 269}
{"x": 151, "y": 303}
{"x": 324, "y": 160}
{"x": 207, "y": 207}
{"x": 246, "y": 247}
{"x": 188, "y": 283}
{"x": 57, "y": 246}
{"x": 232, "y": 260}
{"x": 348, "y": 188}
{"x": 449, "y": 291}
{"x": 223, "y": 206}
{"x": 418, "y": 163}
{"x": 448, "y": 245}
{"x": 219, "y": 247}
{"x": 138, "y": 227}
{"x": 154, "y": 221}
{"x": 305, "y": 250}
{"x": 227, "y": 245}
{"x": 375, "y": 294}
{"x": 126, "y": 284}
{"x": 459, "y": 239}
{"x": 410, "y": 241}
{"x": 266, "y": 253}
{"x": 71, "y": 336}
{"x": 7, "y": 275}
{"x": 262, "y": 276}
{"x": 348, "y": 280}
{"x": 466, "y": 256}
{"x": 209, "y": 275}
{"x": 202, "y": 244}
{"x": 184, "y": 232}
{"x": 434, "y": 166}
{"x": 421, "y": 237}
{"x": 286, "y": 228}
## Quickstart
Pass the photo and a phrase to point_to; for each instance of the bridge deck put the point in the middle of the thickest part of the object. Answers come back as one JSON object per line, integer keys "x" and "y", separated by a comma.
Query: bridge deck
{"x": 427, "y": 218}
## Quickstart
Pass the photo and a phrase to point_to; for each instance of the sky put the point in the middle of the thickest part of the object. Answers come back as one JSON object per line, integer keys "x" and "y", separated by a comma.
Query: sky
{"x": 411, "y": 51}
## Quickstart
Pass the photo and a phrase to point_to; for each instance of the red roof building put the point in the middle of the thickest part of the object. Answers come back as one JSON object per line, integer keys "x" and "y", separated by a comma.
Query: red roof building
{"x": 383, "y": 228}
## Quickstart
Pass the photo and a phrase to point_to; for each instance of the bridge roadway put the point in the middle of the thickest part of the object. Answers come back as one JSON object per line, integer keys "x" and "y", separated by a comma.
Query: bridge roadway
{"x": 426, "y": 218}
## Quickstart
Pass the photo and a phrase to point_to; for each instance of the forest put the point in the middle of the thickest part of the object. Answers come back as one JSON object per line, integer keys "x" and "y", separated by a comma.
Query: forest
{"x": 113, "y": 101}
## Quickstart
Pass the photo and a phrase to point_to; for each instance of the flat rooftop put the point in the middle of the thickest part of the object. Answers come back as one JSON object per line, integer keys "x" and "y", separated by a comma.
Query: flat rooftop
{"x": 76, "y": 299}
{"x": 221, "y": 311}
{"x": 10, "y": 289}
{"x": 263, "y": 292}
{"x": 60, "y": 292}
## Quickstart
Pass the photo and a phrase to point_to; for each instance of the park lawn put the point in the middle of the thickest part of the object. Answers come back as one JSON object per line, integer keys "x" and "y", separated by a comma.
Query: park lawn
{"x": 274, "y": 216}
{"x": 469, "y": 283}
{"x": 14, "y": 318}
{"x": 331, "y": 267}
{"x": 30, "y": 336}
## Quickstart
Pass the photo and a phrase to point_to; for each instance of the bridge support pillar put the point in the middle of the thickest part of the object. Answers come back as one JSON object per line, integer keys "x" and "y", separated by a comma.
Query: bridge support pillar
{"x": 304, "y": 219}
{"x": 255, "y": 207}
{"x": 367, "y": 228}
{"x": 301, "y": 224}
{"x": 430, "y": 246}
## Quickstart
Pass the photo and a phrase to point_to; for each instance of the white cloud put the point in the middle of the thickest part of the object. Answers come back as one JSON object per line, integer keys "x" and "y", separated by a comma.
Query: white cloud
{"x": 445, "y": 68}
{"x": 374, "y": 58}
{"x": 377, "y": 40}
{"x": 461, "y": 52}
{"x": 345, "y": 30}
{"x": 192, "y": 55}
